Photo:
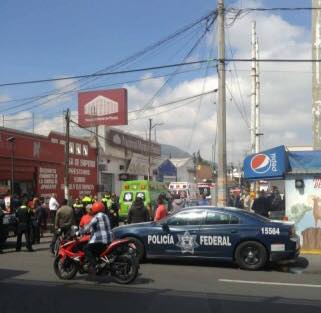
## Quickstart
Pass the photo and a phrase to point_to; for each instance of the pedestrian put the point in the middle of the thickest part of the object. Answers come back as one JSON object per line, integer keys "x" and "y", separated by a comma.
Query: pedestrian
{"x": 86, "y": 218}
{"x": 113, "y": 209}
{"x": 43, "y": 216}
{"x": 35, "y": 229}
{"x": 203, "y": 200}
{"x": 78, "y": 207}
{"x": 178, "y": 203}
{"x": 276, "y": 200}
{"x": 64, "y": 220}
{"x": 161, "y": 210}
{"x": 246, "y": 200}
{"x": 53, "y": 207}
{"x": 40, "y": 217}
{"x": 23, "y": 216}
{"x": 235, "y": 200}
{"x": 138, "y": 213}
{"x": 261, "y": 205}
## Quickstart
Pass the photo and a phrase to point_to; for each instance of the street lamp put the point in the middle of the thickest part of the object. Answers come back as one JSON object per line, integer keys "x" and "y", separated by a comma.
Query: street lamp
{"x": 12, "y": 141}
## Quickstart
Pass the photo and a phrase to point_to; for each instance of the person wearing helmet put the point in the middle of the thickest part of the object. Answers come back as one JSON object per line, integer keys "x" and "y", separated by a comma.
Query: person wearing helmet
{"x": 101, "y": 235}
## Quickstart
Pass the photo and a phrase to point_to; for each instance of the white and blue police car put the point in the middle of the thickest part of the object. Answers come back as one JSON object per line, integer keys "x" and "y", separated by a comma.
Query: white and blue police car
{"x": 228, "y": 234}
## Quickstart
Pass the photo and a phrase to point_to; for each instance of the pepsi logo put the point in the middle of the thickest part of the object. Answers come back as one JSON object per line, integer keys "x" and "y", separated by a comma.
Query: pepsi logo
{"x": 260, "y": 163}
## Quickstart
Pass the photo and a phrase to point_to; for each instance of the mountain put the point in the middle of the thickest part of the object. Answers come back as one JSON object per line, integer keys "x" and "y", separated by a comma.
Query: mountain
{"x": 167, "y": 150}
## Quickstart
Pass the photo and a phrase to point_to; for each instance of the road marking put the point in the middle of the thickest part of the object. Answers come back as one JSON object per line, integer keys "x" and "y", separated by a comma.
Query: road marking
{"x": 267, "y": 283}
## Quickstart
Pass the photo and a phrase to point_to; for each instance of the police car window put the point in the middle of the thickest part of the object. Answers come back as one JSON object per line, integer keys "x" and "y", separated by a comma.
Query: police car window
{"x": 128, "y": 196}
{"x": 140, "y": 195}
{"x": 186, "y": 218}
{"x": 234, "y": 220}
{"x": 217, "y": 218}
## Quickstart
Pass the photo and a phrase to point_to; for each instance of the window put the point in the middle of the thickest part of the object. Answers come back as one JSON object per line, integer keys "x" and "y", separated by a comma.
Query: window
{"x": 187, "y": 218}
{"x": 78, "y": 148}
{"x": 128, "y": 196}
{"x": 84, "y": 150}
{"x": 140, "y": 195}
{"x": 234, "y": 220}
{"x": 217, "y": 218}
{"x": 71, "y": 148}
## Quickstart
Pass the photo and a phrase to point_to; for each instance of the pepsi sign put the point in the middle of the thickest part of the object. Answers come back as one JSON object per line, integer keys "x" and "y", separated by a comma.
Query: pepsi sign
{"x": 269, "y": 164}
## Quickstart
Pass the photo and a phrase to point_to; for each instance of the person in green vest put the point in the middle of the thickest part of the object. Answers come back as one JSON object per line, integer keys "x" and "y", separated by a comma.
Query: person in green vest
{"x": 87, "y": 199}
{"x": 23, "y": 216}
{"x": 106, "y": 200}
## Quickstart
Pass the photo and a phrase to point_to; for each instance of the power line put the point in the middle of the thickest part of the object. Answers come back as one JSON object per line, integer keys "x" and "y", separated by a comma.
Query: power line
{"x": 158, "y": 68}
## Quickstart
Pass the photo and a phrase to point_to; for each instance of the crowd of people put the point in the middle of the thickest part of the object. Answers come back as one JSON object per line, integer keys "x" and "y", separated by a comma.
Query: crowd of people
{"x": 265, "y": 203}
{"x": 33, "y": 214}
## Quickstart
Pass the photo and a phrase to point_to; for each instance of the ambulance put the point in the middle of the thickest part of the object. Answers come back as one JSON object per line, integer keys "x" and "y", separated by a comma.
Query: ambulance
{"x": 187, "y": 191}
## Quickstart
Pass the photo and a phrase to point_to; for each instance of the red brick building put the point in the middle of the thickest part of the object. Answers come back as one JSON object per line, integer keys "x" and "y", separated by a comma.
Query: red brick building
{"x": 39, "y": 164}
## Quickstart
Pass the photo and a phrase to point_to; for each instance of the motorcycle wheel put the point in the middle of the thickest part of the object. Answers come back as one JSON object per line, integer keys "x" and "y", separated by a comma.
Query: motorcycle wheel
{"x": 65, "y": 270}
{"x": 124, "y": 269}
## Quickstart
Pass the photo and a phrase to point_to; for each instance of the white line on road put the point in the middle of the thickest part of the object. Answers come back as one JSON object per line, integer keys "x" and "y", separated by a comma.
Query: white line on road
{"x": 267, "y": 283}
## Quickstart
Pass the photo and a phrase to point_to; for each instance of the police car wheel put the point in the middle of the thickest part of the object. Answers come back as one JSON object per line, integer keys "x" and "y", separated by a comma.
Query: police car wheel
{"x": 140, "y": 249}
{"x": 250, "y": 255}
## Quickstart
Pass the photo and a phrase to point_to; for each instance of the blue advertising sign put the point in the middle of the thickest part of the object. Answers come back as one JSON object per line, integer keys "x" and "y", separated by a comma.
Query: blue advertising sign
{"x": 269, "y": 164}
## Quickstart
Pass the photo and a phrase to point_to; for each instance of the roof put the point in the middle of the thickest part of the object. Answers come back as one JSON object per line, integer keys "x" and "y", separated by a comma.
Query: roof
{"x": 180, "y": 162}
{"x": 305, "y": 162}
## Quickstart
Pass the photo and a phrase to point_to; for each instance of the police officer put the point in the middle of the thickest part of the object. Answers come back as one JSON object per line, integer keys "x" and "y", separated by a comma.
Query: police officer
{"x": 106, "y": 200}
{"x": 23, "y": 215}
{"x": 78, "y": 210}
{"x": 86, "y": 200}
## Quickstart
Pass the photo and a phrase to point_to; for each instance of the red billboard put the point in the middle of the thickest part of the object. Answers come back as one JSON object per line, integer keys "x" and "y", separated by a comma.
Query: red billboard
{"x": 103, "y": 107}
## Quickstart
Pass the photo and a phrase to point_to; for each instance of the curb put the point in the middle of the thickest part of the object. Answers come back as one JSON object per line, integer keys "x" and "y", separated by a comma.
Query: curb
{"x": 312, "y": 251}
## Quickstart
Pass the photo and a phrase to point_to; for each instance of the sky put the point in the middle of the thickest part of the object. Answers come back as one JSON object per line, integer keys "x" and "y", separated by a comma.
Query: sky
{"x": 50, "y": 39}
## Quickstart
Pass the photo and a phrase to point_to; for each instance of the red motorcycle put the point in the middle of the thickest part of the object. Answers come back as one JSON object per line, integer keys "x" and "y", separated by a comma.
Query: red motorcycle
{"x": 119, "y": 260}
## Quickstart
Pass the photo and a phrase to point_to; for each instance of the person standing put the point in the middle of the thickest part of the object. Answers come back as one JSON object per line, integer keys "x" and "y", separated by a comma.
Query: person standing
{"x": 178, "y": 203}
{"x": 246, "y": 200}
{"x": 64, "y": 220}
{"x": 235, "y": 200}
{"x": 78, "y": 210}
{"x": 203, "y": 200}
{"x": 138, "y": 213}
{"x": 161, "y": 210}
{"x": 261, "y": 205}
{"x": 53, "y": 207}
{"x": 23, "y": 215}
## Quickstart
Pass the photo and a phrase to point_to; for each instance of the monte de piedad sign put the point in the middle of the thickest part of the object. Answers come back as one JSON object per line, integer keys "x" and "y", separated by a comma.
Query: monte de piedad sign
{"x": 103, "y": 107}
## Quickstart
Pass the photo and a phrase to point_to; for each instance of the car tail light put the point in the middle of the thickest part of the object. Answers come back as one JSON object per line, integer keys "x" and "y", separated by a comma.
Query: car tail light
{"x": 285, "y": 218}
{"x": 292, "y": 231}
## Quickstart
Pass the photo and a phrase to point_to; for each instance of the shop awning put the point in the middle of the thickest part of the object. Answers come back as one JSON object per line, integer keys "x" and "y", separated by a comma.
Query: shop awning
{"x": 305, "y": 162}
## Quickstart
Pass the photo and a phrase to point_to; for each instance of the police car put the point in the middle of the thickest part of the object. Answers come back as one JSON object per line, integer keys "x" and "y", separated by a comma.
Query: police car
{"x": 216, "y": 233}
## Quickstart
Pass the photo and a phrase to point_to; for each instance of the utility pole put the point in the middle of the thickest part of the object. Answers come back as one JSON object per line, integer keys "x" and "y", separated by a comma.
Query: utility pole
{"x": 149, "y": 147}
{"x": 253, "y": 88}
{"x": 253, "y": 186}
{"x": 257, "y": 101}
{"x": 221, "y": 111}
{"x": 316, "y": 75}
{"x": 66, "y": 177}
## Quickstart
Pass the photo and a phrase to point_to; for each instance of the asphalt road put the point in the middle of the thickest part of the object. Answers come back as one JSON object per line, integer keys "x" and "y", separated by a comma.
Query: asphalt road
{"x": 28, "y": 284}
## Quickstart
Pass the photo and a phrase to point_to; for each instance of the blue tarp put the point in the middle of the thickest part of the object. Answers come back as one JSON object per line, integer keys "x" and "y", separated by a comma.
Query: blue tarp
{"x": 305, "y": 162}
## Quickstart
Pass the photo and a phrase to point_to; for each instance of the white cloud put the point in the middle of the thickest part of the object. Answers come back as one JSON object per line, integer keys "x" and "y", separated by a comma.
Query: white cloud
{"x": 285, "y": 95}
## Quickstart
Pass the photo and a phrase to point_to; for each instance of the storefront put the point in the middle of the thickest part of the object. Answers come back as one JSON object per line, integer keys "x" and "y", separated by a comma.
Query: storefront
{"x": 300, "y": 171}
{"x": 37, "y": 164}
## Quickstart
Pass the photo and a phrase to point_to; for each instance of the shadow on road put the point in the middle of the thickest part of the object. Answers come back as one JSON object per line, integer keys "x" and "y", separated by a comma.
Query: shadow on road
{"x": 48, "y": 297}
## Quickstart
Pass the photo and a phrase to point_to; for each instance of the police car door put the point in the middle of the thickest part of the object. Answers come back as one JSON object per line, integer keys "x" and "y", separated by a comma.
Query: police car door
{"x": 184, "y": 228}
{"x": 218, "y": 234}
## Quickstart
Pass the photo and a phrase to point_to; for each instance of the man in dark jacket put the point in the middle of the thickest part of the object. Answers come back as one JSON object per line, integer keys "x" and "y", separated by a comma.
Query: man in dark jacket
{"x": 261, "y": 205}
{"x": 23, "y": 215}
{"x": 138, "y": 213}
